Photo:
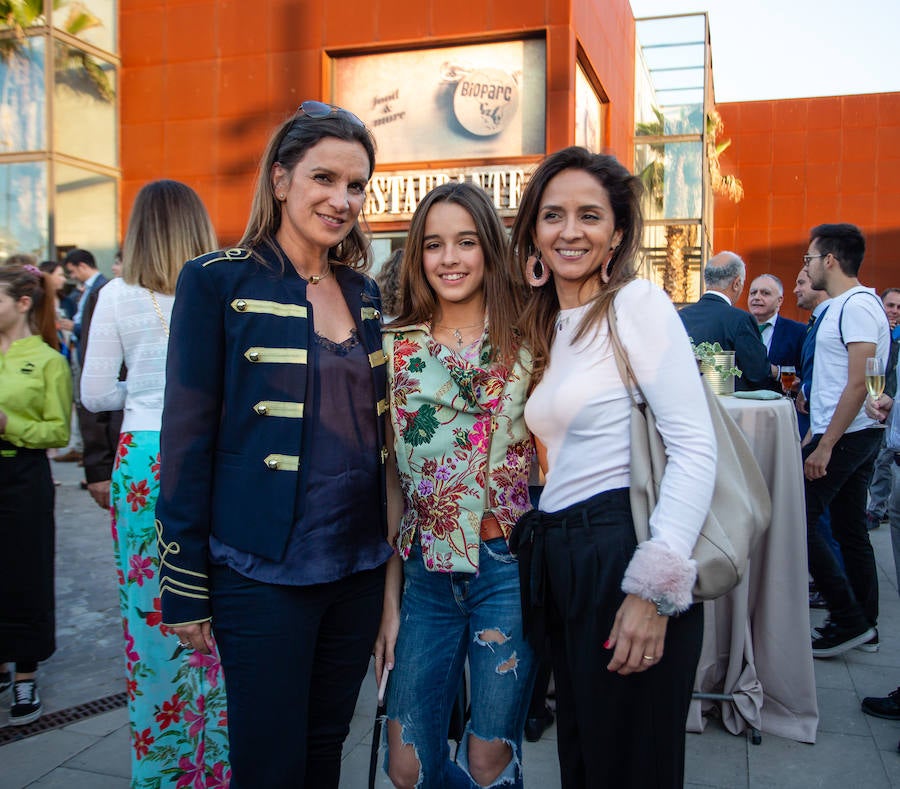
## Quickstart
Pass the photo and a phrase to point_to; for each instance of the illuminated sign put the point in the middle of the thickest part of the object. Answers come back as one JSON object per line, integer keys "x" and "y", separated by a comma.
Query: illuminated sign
{"x": 393, "y": 196}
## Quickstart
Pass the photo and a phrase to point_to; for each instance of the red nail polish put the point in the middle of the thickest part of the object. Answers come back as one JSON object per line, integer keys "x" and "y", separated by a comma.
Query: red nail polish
{"x": 606, "y": 644}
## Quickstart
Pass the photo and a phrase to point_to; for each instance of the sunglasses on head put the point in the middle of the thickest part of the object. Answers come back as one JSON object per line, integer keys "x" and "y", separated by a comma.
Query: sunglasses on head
{"x": 319, "y": 110}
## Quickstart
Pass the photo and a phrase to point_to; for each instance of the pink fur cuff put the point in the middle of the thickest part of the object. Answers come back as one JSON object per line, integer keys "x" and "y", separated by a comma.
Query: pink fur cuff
{"x": 657, "y": 572}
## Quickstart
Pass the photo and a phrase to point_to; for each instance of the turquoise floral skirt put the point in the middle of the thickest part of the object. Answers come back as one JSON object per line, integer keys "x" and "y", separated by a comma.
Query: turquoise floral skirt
{"x": 176, "y": 696}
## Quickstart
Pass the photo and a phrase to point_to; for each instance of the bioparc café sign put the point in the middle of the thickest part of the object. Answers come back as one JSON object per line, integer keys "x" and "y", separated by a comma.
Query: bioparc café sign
{"x": 393, "y": 196}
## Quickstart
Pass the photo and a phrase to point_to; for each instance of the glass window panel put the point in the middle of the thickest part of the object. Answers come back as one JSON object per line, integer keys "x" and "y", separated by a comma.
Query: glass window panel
{"x": 87, "y": 212}
{"x": 22, "y": 97}
{"x": 23, "y": 209}
{"x": 84, "y": 112}
{"x": 668, "y": 30}
{"x": 673, "y": 179}
{"x": 590, "y": 114}
{"x": 672, "y": 259}
{"x": 93, "y": 21}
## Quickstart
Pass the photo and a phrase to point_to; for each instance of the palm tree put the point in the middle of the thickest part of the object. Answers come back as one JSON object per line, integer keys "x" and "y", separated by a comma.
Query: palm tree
{"x": 17, "y": 16}
{"x": 681, "y": 197}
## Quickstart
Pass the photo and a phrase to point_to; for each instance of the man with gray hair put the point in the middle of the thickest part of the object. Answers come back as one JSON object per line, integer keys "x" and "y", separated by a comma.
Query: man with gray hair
{"x": 782, "y": 337}
{"x": 714, "y": 319}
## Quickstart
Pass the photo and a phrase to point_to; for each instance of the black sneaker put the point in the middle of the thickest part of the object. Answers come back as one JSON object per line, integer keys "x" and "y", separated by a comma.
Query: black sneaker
{"x": 5, "y": 681}
{"x": 835, "y": 640}
{"x": 872, "y": 645}
{"x": 887, "y": 707}
{"x": 26, "y": 706}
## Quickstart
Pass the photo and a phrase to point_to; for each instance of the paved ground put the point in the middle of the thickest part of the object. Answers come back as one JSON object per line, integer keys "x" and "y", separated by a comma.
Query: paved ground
{"x": 852, "y": 749}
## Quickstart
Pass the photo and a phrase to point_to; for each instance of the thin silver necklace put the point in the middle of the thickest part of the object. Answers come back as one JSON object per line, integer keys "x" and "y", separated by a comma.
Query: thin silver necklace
{"x": 457, "y": 332}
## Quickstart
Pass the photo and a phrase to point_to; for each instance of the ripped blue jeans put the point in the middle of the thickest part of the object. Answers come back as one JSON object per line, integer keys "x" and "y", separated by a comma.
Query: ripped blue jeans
{"x": 446, "y": 618}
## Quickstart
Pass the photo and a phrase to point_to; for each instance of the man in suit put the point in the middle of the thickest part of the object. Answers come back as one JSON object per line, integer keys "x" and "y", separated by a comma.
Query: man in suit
{"x": 715, "y": 319}
{"x": 81, "y": 267}
{"x": 782, "y": 337}
{"x": 815, "y": 302}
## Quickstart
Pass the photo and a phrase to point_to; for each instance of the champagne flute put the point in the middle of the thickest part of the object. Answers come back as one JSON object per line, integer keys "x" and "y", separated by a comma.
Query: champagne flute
{"x": 875, "y": 377}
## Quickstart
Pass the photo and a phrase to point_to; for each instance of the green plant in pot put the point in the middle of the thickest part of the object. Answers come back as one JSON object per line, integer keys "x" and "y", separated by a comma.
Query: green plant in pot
{"x": 716, "y": 365}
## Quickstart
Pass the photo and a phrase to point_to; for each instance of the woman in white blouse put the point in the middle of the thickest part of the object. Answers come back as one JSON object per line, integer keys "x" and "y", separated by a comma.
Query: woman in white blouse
{"x": 625, "y": 637}
{"x": 176, "y": 699}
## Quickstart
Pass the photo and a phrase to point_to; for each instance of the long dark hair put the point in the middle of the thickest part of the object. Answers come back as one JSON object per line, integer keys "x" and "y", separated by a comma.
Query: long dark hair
{"x": 542, "y": 306}
{"x": 502, "y": 297}
{"x": 28, "y": 280}
{"x": 288, "y": 144}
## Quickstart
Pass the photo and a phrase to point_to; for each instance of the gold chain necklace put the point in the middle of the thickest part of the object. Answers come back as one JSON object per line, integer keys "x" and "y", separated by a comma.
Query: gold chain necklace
{"x": 162, "y": 319}
{"x": 315, "y": 279}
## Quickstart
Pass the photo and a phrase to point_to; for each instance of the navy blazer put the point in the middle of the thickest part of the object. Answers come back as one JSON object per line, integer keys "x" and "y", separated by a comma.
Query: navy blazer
{"x": 232, "y": 440}
{"x": 712, "y": 319}
{"x": 787, "y": 342}
{"x": 805, "y": 371}
{"x": 98, "y": 283}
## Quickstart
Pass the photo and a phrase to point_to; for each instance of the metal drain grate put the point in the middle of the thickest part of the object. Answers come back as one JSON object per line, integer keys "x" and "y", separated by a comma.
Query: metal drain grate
{"x": 55, "y": 720}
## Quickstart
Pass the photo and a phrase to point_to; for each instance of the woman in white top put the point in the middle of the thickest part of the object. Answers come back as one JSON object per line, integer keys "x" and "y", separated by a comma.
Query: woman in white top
{"x": 176, "y": 698}
{"x": 625, "y": 638}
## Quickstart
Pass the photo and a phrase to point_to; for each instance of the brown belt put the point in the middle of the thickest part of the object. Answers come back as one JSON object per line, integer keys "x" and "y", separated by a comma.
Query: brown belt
{"x": 490, "y": 528}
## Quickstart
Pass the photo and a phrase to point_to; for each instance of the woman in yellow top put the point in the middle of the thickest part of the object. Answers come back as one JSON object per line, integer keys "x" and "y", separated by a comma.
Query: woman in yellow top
{"x": 35, "y": 404}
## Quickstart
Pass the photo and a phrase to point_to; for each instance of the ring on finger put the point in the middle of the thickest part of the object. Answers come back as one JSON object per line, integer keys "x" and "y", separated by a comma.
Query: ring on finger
{"x": 183, "y": 644}
{"x": 649, "y": 657}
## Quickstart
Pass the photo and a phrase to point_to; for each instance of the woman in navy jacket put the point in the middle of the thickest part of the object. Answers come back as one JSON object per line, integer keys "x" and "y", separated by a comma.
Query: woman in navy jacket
{"x": 271, "y": 516}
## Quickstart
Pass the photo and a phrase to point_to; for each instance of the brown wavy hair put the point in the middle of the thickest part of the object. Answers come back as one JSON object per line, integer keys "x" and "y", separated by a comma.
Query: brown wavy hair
{"x": 542, "y": 305}
{"x": 502, "y": 297}
{"x": 27, "y": 280}
{"x": 288, "y": 144}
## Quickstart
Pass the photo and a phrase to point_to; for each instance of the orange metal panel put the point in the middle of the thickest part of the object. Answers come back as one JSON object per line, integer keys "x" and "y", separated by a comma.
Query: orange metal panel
{"x": 191, "y": 90}
{"x": 240, "y": 32}
{"x": 143, "y": 92}
{"x": 242, "y": 86}
{"x": 142, "y": 37}
{"x": 189, "y": 35}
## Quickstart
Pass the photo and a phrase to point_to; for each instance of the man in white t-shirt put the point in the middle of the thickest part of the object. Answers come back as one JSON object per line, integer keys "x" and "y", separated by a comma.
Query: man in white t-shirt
{"x": 838, "y": 460}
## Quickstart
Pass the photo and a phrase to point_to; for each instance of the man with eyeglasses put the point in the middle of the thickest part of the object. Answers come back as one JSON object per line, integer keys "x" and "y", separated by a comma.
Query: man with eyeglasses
{"x": 838, "y": 459}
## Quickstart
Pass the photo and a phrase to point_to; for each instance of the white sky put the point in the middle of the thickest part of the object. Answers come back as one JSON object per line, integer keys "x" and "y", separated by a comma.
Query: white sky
{"x": 780, "y": 49}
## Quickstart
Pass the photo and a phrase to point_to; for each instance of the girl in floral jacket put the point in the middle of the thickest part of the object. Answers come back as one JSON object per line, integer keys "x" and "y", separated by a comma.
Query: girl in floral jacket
{"x": 458, "y": 378}
{"x": 176, "y": 696}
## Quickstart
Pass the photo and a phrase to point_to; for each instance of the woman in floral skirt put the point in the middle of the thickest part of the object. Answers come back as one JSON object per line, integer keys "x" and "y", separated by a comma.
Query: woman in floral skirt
{"x": 176, "y": 696}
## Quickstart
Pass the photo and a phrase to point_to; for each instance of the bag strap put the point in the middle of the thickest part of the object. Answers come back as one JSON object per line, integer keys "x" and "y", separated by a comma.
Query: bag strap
{"x": 626, "y": 373}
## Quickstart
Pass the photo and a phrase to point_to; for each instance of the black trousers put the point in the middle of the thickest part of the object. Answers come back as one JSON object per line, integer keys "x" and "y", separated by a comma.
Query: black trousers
{"x": 611, "y": 730}
{"x": 852, "y": 598}
{"x": 294, "y": 659}
{"x": 27, "y": 551}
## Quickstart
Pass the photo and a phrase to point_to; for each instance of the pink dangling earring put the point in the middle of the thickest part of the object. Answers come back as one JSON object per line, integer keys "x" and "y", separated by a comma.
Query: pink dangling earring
{"x": 604, "y": 269}
{"x": 536, "y": 272}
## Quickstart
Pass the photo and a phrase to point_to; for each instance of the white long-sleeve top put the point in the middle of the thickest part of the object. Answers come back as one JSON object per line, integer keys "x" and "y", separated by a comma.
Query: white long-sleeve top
{"x": 581, "y": 411}
{"x": 126, "y": 328}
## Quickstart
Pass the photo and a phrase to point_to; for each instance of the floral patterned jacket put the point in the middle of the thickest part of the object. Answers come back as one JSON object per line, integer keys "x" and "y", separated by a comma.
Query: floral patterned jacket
{"x": 461, "y": 443}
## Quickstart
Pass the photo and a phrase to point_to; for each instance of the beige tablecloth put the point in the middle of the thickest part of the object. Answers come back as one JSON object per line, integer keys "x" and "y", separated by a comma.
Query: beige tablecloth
{"x": 756, "y": 642}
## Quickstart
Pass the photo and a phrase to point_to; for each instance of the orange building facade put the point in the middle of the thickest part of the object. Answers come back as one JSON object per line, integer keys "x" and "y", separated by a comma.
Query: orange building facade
{"x": 205, "y": 81}
{"x": 808, "y": 161}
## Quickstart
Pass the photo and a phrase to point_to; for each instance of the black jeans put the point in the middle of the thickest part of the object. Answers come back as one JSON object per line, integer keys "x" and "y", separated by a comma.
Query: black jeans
{"x": 852, "y": 598}
{"x": 612, "y": 730}
{"x": 294, "y": 658}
